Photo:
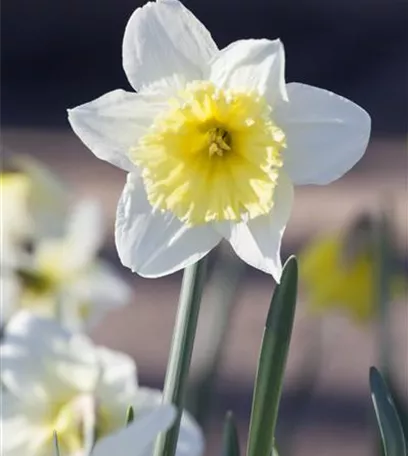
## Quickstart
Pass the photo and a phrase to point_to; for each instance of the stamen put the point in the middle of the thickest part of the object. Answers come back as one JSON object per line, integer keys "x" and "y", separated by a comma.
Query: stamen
{"x": 220, "y": 141}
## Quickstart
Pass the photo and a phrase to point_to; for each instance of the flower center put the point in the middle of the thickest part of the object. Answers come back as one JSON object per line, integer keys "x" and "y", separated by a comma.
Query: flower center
{"x": 219, "y": 141}
{"x": 37, "y": 290}
{"x": 35, "y": 281}
{"x": 213, "y": 155}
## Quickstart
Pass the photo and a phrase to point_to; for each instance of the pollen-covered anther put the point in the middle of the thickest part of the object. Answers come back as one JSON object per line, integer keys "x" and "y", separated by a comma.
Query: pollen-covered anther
{"x": 220, "y": 141}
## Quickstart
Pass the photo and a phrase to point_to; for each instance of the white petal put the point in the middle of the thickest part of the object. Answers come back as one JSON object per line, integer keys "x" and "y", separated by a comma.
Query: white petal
{"x": 110, "y": 125}
{"x": 20, "y": 426}
{"x": 164, "y": 39}
{"x": 133, "y": 440}
{"x": 118, "y": 374}
{"x": 36, "y": 369}
{"x": 117, "y": 385}
{"x": 106, "y": 286}
{"x": 326, "y": 134}
{"x": 15, "y": 190}
{"x": 48, "y": 199}
{"x": 92, "y": 295}
{"x": 156, "y": 244}
{"x": 86, "y": 229}
{"x": 252, "y": 64}
{"x": 75, "y": 252}
{"x": 258, "y": 241}
{"x": 190, "y": 441}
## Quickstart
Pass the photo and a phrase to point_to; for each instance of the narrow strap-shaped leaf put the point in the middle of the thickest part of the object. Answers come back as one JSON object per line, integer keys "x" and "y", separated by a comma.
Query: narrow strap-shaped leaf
{"x": 401, "y": 405}
{"x": 130, "y": 415}
{"x": 272, "y": 362}
{"x": 230, "y": 441}
{"x": 392, "y": 434}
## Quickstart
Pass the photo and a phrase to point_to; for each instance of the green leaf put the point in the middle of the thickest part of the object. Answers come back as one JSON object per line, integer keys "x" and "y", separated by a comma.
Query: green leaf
{"x": 181, "y": 350}
{"x": 401, "y": 406}
{"x": 388, "y": 420}
{"x": 230, "y": 441}
{"x": 130, "y": 416}
{"x": 56, "y": 445}
{"x": 272, "y": 362}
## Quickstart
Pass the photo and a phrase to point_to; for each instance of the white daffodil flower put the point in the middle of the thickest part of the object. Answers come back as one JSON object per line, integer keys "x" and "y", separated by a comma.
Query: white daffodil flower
{"x": 58, "y": 380}
{"x": 213, "y": 142}
{"x": 63, "y": 276}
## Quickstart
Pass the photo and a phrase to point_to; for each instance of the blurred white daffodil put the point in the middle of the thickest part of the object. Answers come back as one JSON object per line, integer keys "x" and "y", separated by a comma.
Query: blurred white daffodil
{"x": 62, "y": 276}
{"x": 14, "y": 231}
{"x": 34, "y": 205}
{"x": 58, "y": 380}
{"x": 213, "y": 142}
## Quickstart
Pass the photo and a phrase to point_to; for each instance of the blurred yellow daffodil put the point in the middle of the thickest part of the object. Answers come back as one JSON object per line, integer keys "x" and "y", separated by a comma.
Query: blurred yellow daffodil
{"x": 340, "y": 270}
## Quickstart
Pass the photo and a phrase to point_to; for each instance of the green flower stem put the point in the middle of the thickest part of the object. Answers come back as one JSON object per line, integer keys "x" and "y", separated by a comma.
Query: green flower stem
{"x": 181, "y": 351}
{"x": 272, "y": 362}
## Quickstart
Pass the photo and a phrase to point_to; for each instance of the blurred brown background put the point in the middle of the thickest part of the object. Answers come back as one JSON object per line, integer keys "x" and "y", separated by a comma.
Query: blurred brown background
{"x": 59, "y": 54}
